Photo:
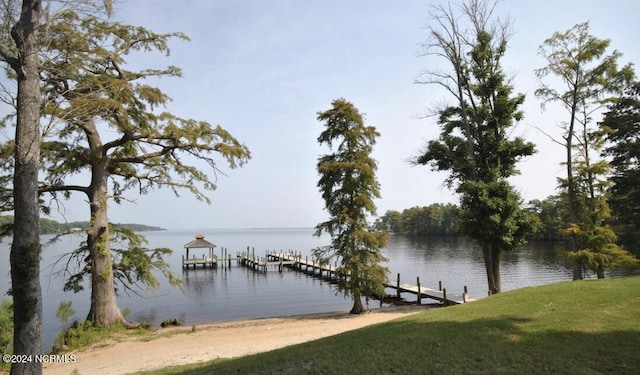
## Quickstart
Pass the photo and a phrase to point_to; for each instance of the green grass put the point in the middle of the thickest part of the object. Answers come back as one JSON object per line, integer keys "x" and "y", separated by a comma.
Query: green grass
{"x": 80, "y": 336}
{"x": 585, "y": 327}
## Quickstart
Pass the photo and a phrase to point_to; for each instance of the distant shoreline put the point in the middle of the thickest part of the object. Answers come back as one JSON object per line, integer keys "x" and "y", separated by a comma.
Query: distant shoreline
{"x": 238, "y": 229}
{"x": 49, "y": 226}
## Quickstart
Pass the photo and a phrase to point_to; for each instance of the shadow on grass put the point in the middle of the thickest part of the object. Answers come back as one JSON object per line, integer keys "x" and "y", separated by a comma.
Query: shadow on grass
{"x": 504, "y": 345}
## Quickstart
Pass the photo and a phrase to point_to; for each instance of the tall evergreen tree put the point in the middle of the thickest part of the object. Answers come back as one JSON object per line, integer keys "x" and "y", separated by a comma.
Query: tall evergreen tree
{"x": 474, "y": 146}
{"x": 348, "y": 185}
{"x": 621, "y": 129}
{"x": 22, "y": 57}
{"x": 589, "y": 75}
{"x": 20, "y": 37}
{"x": 88, "y": 89}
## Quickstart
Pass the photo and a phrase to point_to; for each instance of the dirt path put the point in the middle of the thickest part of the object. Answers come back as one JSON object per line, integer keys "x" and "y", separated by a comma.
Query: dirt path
{"x": 224, "y": 340}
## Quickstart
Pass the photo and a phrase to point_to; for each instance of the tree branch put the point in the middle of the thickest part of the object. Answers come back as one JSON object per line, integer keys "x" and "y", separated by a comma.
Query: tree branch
{"x": 56, "y": 188}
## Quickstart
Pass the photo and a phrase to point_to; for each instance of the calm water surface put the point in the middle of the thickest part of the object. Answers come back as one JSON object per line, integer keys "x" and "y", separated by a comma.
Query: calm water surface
{"x": 238, "y": 293}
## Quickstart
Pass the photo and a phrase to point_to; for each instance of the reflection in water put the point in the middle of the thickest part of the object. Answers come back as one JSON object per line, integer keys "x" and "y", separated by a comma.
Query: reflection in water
{"x": 199, "y": 282}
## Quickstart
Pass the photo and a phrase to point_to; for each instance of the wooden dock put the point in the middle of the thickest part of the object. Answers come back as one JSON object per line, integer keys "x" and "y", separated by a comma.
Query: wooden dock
{"x": 205, "y": 261}
{"x": 313, "y": 266}
{"x": 257, "y": 263}
{"x": 328, "y": 271}
{"x": 208, "y": 261}
{"x": 421, "y": 292}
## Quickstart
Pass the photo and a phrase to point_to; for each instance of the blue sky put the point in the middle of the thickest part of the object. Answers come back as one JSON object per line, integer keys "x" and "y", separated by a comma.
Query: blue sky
{"x": 263, "y": 69}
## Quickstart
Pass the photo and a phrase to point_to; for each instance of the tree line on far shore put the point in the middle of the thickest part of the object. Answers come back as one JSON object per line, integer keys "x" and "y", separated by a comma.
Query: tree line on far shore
{"x": 439, "y": 219}
{"x": 48, "y": 226}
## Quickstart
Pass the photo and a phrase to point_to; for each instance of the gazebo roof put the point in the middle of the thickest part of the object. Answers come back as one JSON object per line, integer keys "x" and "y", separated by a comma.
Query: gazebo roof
{"x": 199, "y": 242}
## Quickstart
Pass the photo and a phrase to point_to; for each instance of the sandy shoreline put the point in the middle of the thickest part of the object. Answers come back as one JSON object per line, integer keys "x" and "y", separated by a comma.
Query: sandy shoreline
{"x": 210, "y": 341}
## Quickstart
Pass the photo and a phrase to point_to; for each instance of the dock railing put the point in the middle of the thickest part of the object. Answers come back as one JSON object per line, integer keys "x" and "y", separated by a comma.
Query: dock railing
{"x": 205, "y": 261}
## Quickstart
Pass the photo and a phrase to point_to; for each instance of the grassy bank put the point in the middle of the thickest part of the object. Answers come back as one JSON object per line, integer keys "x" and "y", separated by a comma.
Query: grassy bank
{"x": 586, "y": 327}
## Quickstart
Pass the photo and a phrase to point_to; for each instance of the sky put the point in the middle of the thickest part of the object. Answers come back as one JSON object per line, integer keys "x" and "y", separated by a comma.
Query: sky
{"x": 263, "y": 69}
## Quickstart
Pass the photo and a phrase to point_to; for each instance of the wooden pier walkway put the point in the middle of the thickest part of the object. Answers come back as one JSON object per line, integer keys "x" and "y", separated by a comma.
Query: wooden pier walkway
{"x": 328, "y": 271}
{"x": 421, "y": 292}
{"x": 314, "y": 267}
{"x": 261, "y": 263}
{"x": 291, "y": 259}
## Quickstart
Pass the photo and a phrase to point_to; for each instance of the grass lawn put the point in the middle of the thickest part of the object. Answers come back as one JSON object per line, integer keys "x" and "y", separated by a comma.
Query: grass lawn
{"x": 584, "y": 327}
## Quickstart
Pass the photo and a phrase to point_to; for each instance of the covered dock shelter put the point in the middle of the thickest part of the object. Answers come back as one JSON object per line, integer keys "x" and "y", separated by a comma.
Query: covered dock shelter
{"x": 209, "y": 259}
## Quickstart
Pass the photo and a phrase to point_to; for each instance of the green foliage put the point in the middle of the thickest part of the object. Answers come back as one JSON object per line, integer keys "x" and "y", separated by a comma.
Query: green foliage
{"x": 493, "y": 217}
{"x": 597, "y": 250}
{"x": 434, "y": 220}
{"x": 596, "y": 242}
{"x": 133, "y": 264}
{"x": 443, "y": 219}
{"x": 590, "y": 76}
{"x": 6, "y": 225}
{"x": 87, "y": 81}
{"x": 48, "y": 226}
{"x": 6, "y": 330}
{"x": 550, "y": 214}
{"x": 391, "y": 221}
{"x": 581, "y": 61}
{"x": 65, "y": 311}
{"x": 6, "y": 177}
{"x": 82, "y": 335}
{"x": 596, "y": 247}
{"x": 90, "y": 93}
{"x": 348, "y": 185}
{"x": 621, "y": 128}
{"x": 474, "y": 145}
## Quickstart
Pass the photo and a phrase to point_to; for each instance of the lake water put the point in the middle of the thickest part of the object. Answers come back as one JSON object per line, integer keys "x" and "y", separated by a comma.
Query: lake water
{"x": 213, "y": 295}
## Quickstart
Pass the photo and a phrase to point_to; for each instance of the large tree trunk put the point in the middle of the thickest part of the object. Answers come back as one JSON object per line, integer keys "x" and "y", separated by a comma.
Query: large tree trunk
{"x": 357, "y": 308}
{"x": 495, "y": 266}
{"x": 25, "y": 248}
{"x": 488, "y": 256}
{"x": 104, "y": 303}
{"x": 571, "y": 189}
{"x": 571, "y": 198}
